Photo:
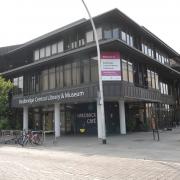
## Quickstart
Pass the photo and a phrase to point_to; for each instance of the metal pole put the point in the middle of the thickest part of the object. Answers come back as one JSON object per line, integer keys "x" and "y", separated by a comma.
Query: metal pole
{"x": 100, "y": 93}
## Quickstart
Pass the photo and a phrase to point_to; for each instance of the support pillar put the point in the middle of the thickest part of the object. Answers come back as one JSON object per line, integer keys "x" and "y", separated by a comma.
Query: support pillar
{"x": 99, "y": 124}
{"x": 57, "y": 119}
{"x": 25, "y": 118}
{"x": 122, "y": 117}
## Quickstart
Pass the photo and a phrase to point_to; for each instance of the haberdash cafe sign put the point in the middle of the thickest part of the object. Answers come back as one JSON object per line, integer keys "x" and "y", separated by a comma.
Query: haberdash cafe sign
{"x": 50, "y": 98}
{"x": 110, "y": 66}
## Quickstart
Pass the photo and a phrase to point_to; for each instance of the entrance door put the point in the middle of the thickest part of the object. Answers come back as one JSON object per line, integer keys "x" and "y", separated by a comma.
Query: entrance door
{"x": 68, "y": 122}
{"x": 48, "y": 121}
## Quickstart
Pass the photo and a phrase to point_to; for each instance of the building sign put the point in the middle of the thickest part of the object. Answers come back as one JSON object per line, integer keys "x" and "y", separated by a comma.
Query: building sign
{"x": 49, "y": 98}
{"x": 110, "y": 66}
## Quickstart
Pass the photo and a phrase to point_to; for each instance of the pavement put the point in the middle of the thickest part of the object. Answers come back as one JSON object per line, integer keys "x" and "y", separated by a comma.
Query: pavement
{"x": 133, "y": 156}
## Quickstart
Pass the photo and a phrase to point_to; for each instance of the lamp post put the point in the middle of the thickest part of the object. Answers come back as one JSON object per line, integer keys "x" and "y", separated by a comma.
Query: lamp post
{"x": 100, "y": 93}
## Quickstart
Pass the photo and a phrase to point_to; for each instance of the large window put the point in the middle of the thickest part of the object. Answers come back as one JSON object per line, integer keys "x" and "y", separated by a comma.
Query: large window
{"x": 164, "y": 88}
{"x": 54, "y": 48}
{"x": 162, "y": 58}
{"x": 75, "y": 73}
{"x": 48, "y": 51}
{"x": 153, "y": 79}
{"x": 60, "y": 46}
{"x": 126, "y": 37}
{"x": 67, "y": 75}
{"x": 89, "y": 36}
{"x": 115, "y": 32}
{"x": 107, "y": 33}
{"x": 36, "y": 55}
{"x": 85, "y": 65}
{"x": 52, "y": 82}
{"x": 44, "y": 80}
{"x": 18, "y": 85}
{"x": 127, "y": 71}
{"x": 42, "y": 52}
{"x": 94, "y": 70}
{"x": 148, "y": 50}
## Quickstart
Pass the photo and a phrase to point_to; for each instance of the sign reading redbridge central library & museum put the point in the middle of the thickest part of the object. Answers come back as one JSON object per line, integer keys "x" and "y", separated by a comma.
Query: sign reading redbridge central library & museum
{"x": 110, "y": 66}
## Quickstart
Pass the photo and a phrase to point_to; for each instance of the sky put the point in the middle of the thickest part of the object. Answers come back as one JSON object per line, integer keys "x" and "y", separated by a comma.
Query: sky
{"x": 24, "y": 20}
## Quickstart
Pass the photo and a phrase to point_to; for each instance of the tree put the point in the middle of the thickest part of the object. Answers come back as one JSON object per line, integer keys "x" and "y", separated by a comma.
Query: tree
{"x": 5, "y": 88}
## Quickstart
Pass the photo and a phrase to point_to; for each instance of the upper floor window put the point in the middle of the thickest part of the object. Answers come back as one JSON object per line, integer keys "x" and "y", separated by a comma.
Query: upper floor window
{"x": 99, "y": 33}
{"x": 115, "y": 32}
{"x": 36, "y": 55}
{"x": 89, "y": 36}
{"x": 164, "y": 88}
{"x": 127, "y": 71}
{"x": 42, "y": 52}
{"x": 18, "y": 85}
{"x": 162, "y": 58}
{"x": 48, "y": 51}
{"x": 54, "y": 48}
{"x": 60, "y": 46}
{"x": 107, "y": 33}
{"x": 126, "y": 37}
{"x": 152, "y": 79}
{"x": 148, "y": 50}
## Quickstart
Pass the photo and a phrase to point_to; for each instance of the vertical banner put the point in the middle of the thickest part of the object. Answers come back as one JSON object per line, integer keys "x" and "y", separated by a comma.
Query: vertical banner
{"x": 110, "y": 66}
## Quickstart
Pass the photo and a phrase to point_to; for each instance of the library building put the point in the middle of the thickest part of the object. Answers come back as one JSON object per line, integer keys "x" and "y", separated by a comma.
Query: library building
{"x": 55, "y": 78}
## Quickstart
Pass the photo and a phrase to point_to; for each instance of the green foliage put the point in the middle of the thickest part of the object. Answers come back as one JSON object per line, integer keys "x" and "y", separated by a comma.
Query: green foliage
{"x": 5, "y": 87}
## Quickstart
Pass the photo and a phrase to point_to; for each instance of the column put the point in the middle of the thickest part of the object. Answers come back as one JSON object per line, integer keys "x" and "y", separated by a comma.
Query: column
{"x": 57, "y": 119}
{"x": 25, "y": 118}
{"x": 99, "y": 123}
{"x": 122, "y": 117}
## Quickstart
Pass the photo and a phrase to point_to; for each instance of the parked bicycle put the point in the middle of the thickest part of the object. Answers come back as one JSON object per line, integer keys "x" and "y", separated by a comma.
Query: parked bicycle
{"x": 29, "y": 137}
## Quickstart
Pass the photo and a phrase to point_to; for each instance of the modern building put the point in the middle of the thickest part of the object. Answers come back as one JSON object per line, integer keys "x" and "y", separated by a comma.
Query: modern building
{"x": 56, "y": 78}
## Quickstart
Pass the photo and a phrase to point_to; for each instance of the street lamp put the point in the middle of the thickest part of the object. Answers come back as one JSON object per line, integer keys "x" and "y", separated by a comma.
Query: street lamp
{"x": 100, "y": 93}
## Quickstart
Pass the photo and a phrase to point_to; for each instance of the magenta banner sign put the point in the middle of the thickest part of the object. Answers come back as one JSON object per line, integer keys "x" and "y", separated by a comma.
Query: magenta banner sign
{"x": 110, "y": 66}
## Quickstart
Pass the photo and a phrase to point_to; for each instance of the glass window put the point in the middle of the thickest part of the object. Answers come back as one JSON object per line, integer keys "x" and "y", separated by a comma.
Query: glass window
{"x": 99, "y": 33}
{"x": 36, "y": 55}
{"x": 60, "y": 46}
{"x": 89, "y": 36}
{"x": 67, "y": 75}
{"x": 162, "y": 59}
{"x": 54, "y": 48}
{"x": 75, "y": 73}
{"x": 107, "y": 33}
{"x": 123, "y": 36}
{"x": 42, "y": 52}
{"x": 52, "y": 81}
{"x": 44, "y": 80}
{"x": 157, "y": 56}
{"x": 124, "y": 70}
{"x": 85, "y": 78}
{"x": 61, "y": 74}
{"x": 74, "y": 44}
{"x": 116, "y": 33}
{"x": 131, "y": 41}
{"x": 153, "y": 79}
{"x": 157, "y": 80}
{"x": 145, "y": 49}
{"x": 128, "y": 40}
{"x": 149, "y": 79}
{"x": 94, "y": 70}
{"x": 161, "y": 88}
{"x": 21, "y": 82}
{"x": 48, "y": 51}
{"x": 149, "y": 52}
{"x": 57, "y": 77}
{"x": 130, "y": 72}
